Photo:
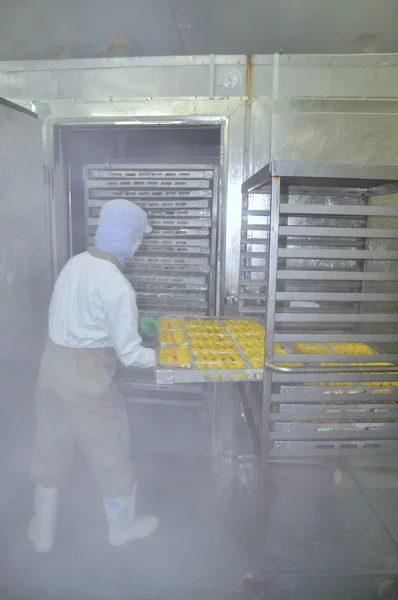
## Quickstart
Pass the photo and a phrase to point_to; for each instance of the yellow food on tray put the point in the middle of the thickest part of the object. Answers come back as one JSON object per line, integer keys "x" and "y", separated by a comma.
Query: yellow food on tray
{"x": 204, "y": 331}
{"x": 219, "y": 361}
{"x": 203, "y": 356}
{"x": 212, "y": 366}
{"x": 170, "y": 323}
{"x": 251, "y": 346}
{"x": 256, "y": 363}
{"x": 200, "y": 337}
{"x": 311, "y": 348}
{"x": 173, "y": 337}
{"x": 244, "y": 325}
{"x": 259, "y": 354}
{"x": 219, "y": 346}
{"x": 209, "y": 366}
{"x": 257, "y": 336}
{"x": 253, "y": 352}
{"x": 355, "y": 364}
{"x": 212, "y": 356}
{"x": 246, "y": 331}
{"x": 279, "y": 349}
{"x": 202, "y": 324}
{"x": 177, "y": 357}
{"x": 381, "y": 383}
{"x": 189, "y": 323}
{"x": 351, "y": 348}
{"x": 245, "y": 338}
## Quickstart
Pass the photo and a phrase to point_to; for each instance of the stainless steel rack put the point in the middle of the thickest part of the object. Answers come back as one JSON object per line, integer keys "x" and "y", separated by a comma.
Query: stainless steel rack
{"x": 174, "y": 270}
{"x": 330, "y": 273}
{"x": 330, "y": 277}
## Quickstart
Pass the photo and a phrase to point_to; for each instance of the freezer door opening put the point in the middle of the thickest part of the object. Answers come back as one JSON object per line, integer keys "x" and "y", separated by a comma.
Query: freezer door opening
{"x": 172, "y": 172}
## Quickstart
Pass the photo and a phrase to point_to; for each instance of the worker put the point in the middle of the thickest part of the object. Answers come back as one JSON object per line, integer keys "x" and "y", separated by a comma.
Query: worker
{"x": 93, "y": 321}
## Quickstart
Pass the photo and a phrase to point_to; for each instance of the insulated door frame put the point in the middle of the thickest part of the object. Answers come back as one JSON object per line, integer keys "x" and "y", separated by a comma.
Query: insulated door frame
{"x": 229, "y": 114}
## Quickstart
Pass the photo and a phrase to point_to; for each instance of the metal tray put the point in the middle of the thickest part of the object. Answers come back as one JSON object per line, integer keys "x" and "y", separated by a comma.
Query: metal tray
{"x": 192, "y": 375}
{"x": 194, "y": 264}
{"x": 149, "y": 183}
{"x": 203, "y": 242}
{"x": 174, "y": 249}
{"x": 158, "y": 204}
{"x": 166, "y": 279}
{"x": 165, "y": 212}
{"x": 171, "y": 374}
{"x": 153, "y": 194}
{"x": 148, "y": 173}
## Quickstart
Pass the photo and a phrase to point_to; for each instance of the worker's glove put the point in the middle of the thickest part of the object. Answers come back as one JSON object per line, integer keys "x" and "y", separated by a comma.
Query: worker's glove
{"x": 148, "y": 326}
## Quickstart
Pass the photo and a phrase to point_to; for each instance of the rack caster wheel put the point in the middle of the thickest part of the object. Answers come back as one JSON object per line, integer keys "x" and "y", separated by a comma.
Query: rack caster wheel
{"x": 254, "y": 588}
{"x": 388, "y": 589}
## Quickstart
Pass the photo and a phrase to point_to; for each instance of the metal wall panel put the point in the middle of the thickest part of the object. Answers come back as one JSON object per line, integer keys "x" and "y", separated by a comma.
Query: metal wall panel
{"x": 134, "y": 82}
{"x": 335, "y": 137}
{"x": 258, "y": 139}
{"x": 24, "y": 268}
{"x": 351, "y": 76}
{"x": 288, "y": 76}
{"x": 120, "y": 78}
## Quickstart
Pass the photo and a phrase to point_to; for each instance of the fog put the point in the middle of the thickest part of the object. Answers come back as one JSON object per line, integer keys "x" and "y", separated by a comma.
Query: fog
{"x": 318, "y": 529}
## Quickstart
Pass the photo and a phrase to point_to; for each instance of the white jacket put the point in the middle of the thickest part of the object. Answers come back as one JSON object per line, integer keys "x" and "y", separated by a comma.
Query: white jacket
{"x": 94, "y": 306}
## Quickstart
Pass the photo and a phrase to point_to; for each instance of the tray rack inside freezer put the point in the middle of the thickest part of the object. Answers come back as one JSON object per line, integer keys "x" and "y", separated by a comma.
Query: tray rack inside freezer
{"x": 329, "y": 277}
{"x": 174, "y": 268}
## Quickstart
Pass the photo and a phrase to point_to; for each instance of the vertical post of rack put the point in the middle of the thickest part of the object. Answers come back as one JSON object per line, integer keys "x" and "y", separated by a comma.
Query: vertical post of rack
{"x": 244, "y": 260}
{"x": 268, "y": 356}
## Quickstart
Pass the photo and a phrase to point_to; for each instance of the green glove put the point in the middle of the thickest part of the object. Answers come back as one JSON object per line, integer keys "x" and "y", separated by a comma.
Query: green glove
{"x": 148, "y": 326}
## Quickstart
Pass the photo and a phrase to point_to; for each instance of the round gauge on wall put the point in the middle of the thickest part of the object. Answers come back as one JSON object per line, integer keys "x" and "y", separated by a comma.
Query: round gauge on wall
{"x": 230, "y": 79}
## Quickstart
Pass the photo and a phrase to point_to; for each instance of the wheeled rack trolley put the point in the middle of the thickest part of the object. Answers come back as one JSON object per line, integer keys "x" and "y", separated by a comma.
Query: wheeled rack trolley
{"x": 319, "y": 259}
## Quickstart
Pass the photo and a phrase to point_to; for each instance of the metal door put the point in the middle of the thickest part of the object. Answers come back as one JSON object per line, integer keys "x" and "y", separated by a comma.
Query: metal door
{"x": 24, "y": 248}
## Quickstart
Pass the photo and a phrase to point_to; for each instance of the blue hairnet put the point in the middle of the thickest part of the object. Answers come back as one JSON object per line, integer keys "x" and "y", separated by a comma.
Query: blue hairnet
{"x": 121, "y": 225}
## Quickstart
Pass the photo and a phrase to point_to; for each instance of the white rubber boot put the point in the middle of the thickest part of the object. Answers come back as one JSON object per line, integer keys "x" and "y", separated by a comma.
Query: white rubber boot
{"x": 42, "y": 527}
{"x": 124, "y": 525}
